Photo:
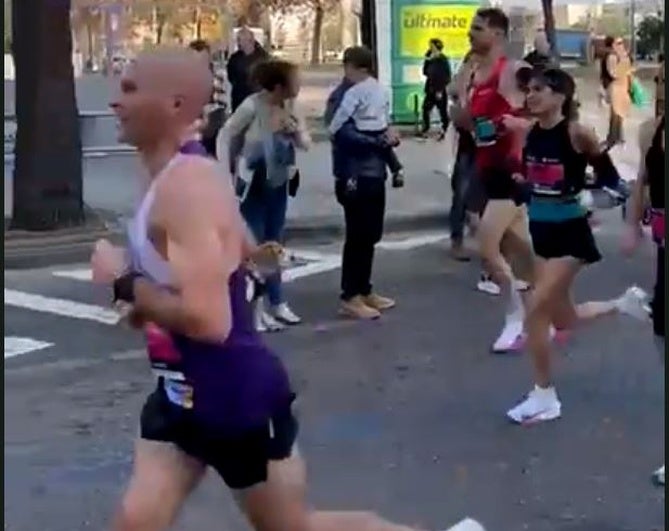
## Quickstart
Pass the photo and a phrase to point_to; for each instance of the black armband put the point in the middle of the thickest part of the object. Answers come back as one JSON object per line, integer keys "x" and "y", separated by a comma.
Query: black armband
{"x": 124, "y": 287}
{"x": 606, "y": 174}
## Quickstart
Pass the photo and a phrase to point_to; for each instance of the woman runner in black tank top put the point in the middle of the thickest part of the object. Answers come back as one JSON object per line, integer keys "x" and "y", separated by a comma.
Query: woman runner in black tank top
{"x": 652, "y": 176}
{"x": 556, "y": 153}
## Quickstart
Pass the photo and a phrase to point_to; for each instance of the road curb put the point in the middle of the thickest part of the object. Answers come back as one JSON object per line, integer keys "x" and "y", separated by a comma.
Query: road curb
{"x": 30, "y": 250}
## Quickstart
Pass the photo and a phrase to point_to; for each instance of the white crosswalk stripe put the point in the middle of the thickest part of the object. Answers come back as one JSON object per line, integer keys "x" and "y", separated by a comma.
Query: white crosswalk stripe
{"x": 64, "y": 307}
{"x": 15, "y": 346}
{"x": 303, "y": 263}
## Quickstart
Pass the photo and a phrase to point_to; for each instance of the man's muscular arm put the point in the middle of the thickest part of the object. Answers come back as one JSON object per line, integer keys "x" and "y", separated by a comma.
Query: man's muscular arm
{"x": 198, "y": 212}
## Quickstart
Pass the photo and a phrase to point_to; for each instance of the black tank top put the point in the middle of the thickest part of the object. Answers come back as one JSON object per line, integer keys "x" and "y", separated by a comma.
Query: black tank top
{"x": 655, "y": 168}
{"x": 552, "y": 166}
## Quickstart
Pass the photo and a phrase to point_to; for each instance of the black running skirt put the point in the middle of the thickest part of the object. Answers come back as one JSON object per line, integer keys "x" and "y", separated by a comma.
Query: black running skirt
{"x": 571, "y": 237}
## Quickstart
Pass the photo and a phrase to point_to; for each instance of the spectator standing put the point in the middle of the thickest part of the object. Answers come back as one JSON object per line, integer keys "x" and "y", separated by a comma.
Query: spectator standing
{"x": 463, "y": 170}
{"x": 249, "y": 52}
{"x": 359, "y": 166}
{"x": 437, "y": 72}
{"x": 265, "y": 130}
{"x": 616, "y": 77}
{"x": 215, "y": 112}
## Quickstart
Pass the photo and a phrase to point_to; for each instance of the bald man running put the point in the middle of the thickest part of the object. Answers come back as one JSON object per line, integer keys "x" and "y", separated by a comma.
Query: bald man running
{"x": 223, "y": 399}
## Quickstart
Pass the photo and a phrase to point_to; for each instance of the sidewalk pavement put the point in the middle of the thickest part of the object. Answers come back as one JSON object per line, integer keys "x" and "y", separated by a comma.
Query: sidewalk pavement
{"x": 111, "y": 185}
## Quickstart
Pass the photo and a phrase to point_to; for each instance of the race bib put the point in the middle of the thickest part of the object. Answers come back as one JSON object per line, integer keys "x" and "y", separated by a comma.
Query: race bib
{"x": 179, "y": 393}
{"x": 165, "y": 363}
{"x": 485, "y": 132}
{"x": 545, "y": 178}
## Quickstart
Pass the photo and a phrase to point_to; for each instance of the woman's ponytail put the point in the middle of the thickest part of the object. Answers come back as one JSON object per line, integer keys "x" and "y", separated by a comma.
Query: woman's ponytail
{"x": 570, "y": 109}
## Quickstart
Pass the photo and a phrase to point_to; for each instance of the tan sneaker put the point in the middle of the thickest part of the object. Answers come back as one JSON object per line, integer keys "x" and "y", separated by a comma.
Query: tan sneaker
{"x": 357, "y": 309}
{"x": 459, "y": 253}
{"x": 379, "y": 303}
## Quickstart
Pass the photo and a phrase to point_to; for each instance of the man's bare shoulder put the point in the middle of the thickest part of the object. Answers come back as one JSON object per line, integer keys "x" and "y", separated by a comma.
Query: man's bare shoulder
{"x": 195, "y": 187}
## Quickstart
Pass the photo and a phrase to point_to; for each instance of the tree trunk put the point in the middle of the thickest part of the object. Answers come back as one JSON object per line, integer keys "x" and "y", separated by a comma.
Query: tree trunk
{"x": 89, "y": 43}
{"x": 317, "y": 36}
{"x": 159, "y": 20}
{"x": 48, "y": 184}
{"x": 549, "y": 26}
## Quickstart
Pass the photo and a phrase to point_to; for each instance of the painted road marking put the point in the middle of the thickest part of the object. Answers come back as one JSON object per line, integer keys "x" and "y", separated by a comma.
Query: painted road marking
{"x": 64, "y": 307}
{"x": 16, "y": 346}
{"x": 316, "y": 262}
{"x": 85, "y": 274}
{"x": 407, "y": 244}
{"x": 467, "y": 524}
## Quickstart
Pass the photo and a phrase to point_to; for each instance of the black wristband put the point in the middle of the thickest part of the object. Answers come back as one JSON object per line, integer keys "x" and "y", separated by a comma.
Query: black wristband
{"x": 124, "y": 287}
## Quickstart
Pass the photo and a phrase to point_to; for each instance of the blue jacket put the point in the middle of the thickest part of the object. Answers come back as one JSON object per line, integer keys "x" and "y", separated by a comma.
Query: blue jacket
{"x": 352, "y": 151}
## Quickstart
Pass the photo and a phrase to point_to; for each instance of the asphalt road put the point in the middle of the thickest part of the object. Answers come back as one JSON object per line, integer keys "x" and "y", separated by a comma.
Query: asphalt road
{"x": 403, "y": 415}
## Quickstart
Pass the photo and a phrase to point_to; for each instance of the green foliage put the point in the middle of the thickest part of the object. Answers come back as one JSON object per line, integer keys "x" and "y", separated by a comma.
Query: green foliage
{"x": 649, "y": 35}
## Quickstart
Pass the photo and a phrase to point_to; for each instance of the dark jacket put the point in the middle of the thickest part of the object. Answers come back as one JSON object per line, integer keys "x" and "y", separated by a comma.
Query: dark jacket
{"x": 239, "y": 69}
{"x": 437, "y": 71}
{"x": 353, "y": 151}
{"x": 539, "y": 60}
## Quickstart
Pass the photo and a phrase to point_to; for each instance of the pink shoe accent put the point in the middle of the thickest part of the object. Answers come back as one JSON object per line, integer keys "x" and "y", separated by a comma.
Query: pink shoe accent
{"x": 518, "y": 343}
{"x": 562, "y": 336}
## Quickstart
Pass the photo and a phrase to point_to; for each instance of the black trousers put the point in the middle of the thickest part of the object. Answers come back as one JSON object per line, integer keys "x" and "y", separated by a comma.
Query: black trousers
{"x": 461, "y": 179}
{"x": 615, "y": 134}
{"x": 440, "y": 100}
{"x": 364, "y": 204}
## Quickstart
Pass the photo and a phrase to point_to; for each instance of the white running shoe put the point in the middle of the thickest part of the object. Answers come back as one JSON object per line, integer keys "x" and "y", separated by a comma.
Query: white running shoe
{"x": 467, "y": 525}
{"x": 511, "y": 338}
{"x": 264, "y": 322}
{"x": 486, "y": 285}
{"x": 540, "y": 405}
{"x": 634, "y": 302}
{"x": 520, "y": 285}
{"x": 283, "y": 313}
{"x": 658, "y": 476}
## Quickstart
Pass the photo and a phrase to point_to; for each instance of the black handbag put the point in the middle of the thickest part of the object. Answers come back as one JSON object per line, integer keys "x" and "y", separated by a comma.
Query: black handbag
{"x": 294, "y": 184}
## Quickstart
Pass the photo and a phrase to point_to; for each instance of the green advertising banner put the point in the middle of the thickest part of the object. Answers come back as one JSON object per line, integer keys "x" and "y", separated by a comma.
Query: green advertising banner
{"x": 413, "y": 24}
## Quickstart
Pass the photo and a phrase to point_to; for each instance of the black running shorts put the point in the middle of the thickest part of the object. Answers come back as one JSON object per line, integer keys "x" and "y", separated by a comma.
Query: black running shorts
{"x": 658, "y": 296}
{"x": 241, "y": 460}
{"x": 572, "y": 237}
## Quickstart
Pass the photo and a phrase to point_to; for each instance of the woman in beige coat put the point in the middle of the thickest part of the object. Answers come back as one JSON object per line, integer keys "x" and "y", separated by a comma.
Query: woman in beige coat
{"x": 618, "y": 73}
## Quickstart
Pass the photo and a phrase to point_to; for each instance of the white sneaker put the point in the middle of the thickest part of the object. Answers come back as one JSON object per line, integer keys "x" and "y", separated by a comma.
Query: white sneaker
{"x": 511, "y": 338}
{"x": 264, "y": 322}
{"x": 486, "y": 285}
{"x": 520, "y": 285}
{"x": 658, "y": 476}
{"x": 283, "y": 313}
{"x": 271, "y": 324}
{"x": 540, "y": 405}
{"x": 467, "y": 525}
{"x": 634, "y": 302}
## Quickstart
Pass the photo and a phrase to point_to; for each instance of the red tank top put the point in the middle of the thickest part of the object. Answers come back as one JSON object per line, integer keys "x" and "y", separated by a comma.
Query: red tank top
{"x": 487, "y": 103}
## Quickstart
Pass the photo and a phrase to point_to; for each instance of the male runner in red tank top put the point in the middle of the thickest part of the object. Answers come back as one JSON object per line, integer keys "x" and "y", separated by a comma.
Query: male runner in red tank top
{"x": 491, "y": 113}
